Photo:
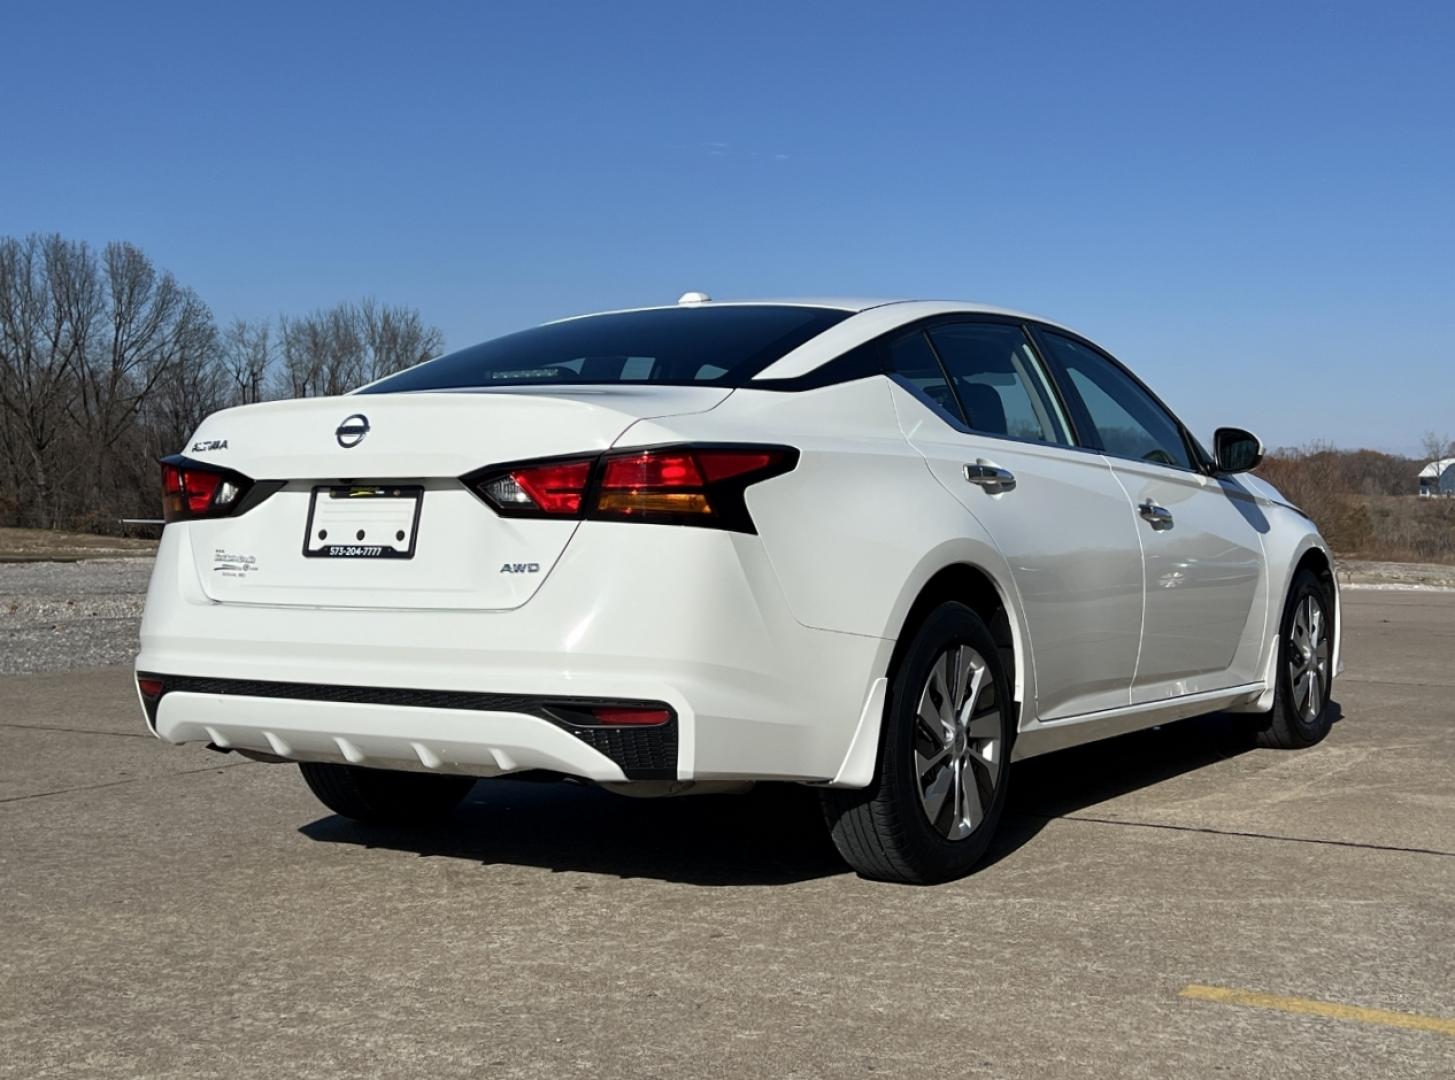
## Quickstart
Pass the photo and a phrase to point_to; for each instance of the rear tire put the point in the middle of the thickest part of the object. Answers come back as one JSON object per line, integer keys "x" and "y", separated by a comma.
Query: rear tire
{"x": 1301, "y": 714}
{"x": 384, "y": 797}
{"x": 940, "y": 785}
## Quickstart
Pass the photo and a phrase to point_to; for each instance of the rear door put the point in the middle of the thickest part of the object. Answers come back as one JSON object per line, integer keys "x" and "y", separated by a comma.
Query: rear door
{"x": 1206, "y": 584}
{"x": 995, "y": 436}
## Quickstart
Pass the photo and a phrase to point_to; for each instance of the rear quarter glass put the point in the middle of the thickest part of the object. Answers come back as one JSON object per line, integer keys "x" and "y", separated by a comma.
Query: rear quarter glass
{"x": 692, "y": 346}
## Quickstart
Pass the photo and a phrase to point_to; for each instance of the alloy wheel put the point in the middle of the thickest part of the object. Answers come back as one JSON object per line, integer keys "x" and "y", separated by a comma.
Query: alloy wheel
{"x": 958, "y": 743}
{"x": 1308, "y": 658}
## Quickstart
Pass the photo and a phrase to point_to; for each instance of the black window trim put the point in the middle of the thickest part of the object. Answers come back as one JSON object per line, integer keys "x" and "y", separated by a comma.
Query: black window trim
{"x": 859, "y": 362}
{"x": 970, "y": 319}
{"x": 1200, "y": 467}
{"x": 959, "y": 423}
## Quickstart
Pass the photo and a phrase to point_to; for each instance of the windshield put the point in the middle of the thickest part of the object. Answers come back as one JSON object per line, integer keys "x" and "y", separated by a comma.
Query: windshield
{"x": 696, "y": 346}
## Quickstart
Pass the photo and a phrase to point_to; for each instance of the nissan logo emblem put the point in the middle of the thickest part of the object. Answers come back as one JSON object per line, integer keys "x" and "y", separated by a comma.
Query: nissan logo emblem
{"x": 352, "y": 431}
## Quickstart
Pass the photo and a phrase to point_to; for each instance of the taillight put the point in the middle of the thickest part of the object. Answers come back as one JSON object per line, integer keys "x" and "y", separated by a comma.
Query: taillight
{"x": 192, "y": 491}
{"x": 675, "y": 485}
{"x": 549, "y": 488}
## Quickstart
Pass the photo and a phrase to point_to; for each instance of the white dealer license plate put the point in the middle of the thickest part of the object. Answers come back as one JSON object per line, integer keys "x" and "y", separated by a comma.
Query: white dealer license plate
{"x": 363, "y": 521}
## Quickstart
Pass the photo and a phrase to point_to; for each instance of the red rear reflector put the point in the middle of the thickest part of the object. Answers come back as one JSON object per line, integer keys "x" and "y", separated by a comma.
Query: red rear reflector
{"x": 150, "y": 688}
{"x": 555, "y": 488}
{"x": 615, "y": 715}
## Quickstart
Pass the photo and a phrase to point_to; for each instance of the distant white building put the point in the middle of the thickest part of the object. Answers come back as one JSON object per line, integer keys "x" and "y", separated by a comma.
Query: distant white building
{"x": 1438, "y": 478}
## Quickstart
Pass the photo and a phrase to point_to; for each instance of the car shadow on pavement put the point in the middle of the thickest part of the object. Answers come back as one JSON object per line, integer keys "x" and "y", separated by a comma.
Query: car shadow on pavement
{"x": 1060, "y": 784}
{"x": 775, "y": 835}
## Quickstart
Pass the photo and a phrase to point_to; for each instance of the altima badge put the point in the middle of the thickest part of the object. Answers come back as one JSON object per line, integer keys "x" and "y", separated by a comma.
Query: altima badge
{"x": 352, "y": 431}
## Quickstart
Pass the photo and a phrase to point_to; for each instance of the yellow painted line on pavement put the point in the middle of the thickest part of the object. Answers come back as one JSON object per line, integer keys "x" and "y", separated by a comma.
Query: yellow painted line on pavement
{"x": 1311, "y": 1007}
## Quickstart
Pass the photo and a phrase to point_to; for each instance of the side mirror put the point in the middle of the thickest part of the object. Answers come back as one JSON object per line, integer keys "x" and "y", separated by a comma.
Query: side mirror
{"x": 1236, "y": 450}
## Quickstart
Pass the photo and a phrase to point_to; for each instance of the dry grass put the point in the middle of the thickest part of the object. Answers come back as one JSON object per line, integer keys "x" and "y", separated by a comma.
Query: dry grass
{"x": 1365, "y": 503}
{"x": 44, "y": 545}
{"x": 1406, "y": 528}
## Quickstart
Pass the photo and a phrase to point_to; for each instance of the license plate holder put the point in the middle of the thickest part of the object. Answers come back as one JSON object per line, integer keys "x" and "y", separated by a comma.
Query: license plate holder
{"x": 387, "y": 516}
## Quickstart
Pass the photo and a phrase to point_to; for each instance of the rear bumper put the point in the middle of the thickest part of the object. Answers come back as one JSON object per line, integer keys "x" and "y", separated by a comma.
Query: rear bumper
{"x": 448, "y": 731}
{"x": 692, "y": 619}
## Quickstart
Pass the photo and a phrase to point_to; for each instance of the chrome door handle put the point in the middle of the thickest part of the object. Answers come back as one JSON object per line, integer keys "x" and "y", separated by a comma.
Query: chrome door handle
{"x": 1159, "y": 517}
{"x": 992, "y": 478}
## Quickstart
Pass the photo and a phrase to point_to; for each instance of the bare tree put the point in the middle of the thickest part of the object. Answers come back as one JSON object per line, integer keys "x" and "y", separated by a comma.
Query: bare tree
{"x": 195, "y": 386}
{"x": 247, "y": 356}
{"x": 46, "y": 303}
{"x": 107, "y": 362}
{"x": 145, "y": 331}
{"x": 1437, "y": 446}
{"x": 320, "y": 353}
{"x": 395, "y": 338}
{"x": 345, "y": 346}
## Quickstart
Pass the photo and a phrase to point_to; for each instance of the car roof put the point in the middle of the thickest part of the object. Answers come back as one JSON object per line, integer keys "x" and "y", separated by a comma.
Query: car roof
{"x": 854, "y": 304}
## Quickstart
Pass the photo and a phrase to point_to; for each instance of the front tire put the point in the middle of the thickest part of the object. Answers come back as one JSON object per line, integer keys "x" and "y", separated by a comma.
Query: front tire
{"x": 1301, "y": 714}
{"x": 384, "y": 797}
{"x": 940, "y": 785}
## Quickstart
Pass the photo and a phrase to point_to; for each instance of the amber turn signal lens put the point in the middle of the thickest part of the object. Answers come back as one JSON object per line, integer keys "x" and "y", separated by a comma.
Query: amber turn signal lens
{"x": 654, "y": 502}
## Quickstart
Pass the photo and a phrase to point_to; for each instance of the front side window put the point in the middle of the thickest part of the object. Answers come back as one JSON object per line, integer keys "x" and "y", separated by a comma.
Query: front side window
{"x": 705, "y": 346}
{"x": 999, "y": 381}
{"x": 1122, "y": 419}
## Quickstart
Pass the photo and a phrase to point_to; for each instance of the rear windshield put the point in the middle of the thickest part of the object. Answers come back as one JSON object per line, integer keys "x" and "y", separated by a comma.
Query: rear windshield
{"x": 698, "y": 346}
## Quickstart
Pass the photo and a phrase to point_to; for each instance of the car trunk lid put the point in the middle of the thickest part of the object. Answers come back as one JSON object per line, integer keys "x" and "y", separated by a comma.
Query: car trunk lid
{"x": 382, "y": 472}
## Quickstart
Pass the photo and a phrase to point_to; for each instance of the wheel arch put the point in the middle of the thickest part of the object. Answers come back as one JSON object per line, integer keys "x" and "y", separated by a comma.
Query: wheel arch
{"x": 1308, "y": 553}
{"x": 969, "y": 584}
{"x": 953, "y": 575}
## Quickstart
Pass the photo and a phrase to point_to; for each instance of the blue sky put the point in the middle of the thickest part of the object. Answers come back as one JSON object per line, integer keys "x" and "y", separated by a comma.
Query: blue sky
{"x": 1251, "y": 204}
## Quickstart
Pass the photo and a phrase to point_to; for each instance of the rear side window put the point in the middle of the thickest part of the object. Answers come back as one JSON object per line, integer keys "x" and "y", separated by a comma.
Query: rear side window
{"x": 915, "y": 362}
{"x": 704, "y": 346}
{"x": 999, "y": 381}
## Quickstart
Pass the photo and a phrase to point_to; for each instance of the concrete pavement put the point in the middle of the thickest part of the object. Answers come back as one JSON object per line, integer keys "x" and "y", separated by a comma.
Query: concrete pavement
{"x": 169, "y": 912}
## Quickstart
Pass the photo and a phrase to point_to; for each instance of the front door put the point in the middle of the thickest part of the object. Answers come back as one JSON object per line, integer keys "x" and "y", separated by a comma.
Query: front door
{"x": 1206, "y": 586}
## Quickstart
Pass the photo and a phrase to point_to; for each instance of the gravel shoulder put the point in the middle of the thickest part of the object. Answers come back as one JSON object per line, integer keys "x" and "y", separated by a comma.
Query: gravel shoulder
{"x": 1365, "y": 572}
{"x": 70, "y": 616}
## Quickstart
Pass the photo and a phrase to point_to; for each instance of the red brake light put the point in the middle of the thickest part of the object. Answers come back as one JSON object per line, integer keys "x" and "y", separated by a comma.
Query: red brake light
{"x": 725, "y": 464}
{"x": 149, "y": 685}
{"x": 555, "y": 488}
{"x": 200, "y": 486}
{"x": 677, "y": 485}
{"x": 543, "y": 489}
{"x": 191, "y": 492}
{"x": 653, "y": 469}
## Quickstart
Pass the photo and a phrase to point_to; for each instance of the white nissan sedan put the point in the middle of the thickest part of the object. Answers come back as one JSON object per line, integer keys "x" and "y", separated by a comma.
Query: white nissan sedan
{"x": 881, "y": 548}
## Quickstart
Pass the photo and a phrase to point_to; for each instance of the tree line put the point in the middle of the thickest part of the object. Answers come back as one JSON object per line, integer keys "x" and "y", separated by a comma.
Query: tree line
{"x": 107, "y": 363}
{"x": 1364, "y": 501}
